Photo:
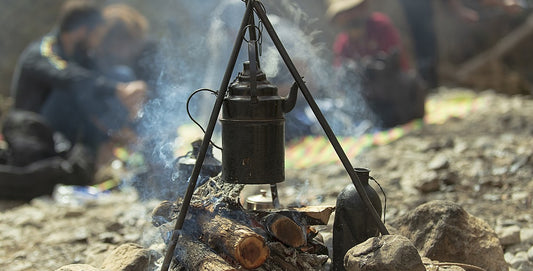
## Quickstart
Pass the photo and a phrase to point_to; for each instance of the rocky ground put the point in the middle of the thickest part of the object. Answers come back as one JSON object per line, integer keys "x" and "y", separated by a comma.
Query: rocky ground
{"x": 483, "y": 161}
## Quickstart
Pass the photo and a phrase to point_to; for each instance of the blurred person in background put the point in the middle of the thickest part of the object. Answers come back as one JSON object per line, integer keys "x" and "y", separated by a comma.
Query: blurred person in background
{"x": 57, "y": 64}
{"x": 61, "y": 61}
{"x": 99, "y": 119}
{"x": 420, "y": 18}
{"x": 125, "y": 53}
{"x": 369, "y": 47}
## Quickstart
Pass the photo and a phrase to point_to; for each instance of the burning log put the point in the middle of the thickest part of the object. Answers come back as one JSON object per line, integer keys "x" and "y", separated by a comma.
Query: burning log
{"x": 238, "y": 241}
{"x": 292, "y": 226}
{"x": 229, "y": 238}
{"x": 194, "y": 255}
{"x": 309, "y": 215}
{"x": 285, "y": 230}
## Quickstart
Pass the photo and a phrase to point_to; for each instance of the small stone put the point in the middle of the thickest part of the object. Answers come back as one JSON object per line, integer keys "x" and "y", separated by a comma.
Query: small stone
{"x": 78, "y": 267}
{"x": 449, "y": 178}
{"x": 78, "y": 235}
{"x": 132, "y": 237}
{"x": 526, "y": 235}
{"x": 508, "y": 256}
{"x": 428, "y": 182}
{"x": 460, "y": 147}
{"x": 435, "y": 266}
{"x": 492, "y": 197}
{"x": 519, "y": 259}
{"x": 21, "y": 266}
{"x": 428, "y": 146}
{"x": 526, "y": 266}
{"x": 114, "y": 226}
{"x": 507, "y": 222}
{"x": 530, "y": 254}
{"x": 520, "y": 195}
{"x": 509, "y": 235}
{"x": 439, "y": 162}
{"x": 110, "y": 237}
{"x": 97, "y": 253}
{"x": 499, "y": 171}
{"x": 519, "y": 162}
{"x": 127, "y": 257}
{"x": 74, "y": 211}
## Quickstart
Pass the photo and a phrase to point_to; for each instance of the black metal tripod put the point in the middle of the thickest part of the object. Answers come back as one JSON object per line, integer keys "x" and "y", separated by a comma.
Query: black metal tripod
{"x": 248, "y": 18}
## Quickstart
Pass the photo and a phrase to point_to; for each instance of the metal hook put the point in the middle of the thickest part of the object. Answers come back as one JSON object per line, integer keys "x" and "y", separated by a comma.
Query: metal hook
{"x": 259, "y": 31}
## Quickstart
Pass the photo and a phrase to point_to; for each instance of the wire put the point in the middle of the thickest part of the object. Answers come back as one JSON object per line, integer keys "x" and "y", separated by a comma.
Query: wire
{"x": 384, "y": 195}
{"x": 260, "y": 28}
{"x": 191, "y": 117}
{"x": 462, "y": 265}
{"x": 179, "y": 157}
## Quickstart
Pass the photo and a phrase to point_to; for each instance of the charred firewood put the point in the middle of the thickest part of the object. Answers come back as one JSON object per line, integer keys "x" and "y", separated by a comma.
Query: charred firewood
{"x": 283, "y": 258}
{"x": 194, "y": 255}
{"x": 236, "y": 240}
{"x": 308, "y": 215}
{"x": 163, "y": 213}
{"x": 230, "y": 239}
{"x": 285, "y": 230}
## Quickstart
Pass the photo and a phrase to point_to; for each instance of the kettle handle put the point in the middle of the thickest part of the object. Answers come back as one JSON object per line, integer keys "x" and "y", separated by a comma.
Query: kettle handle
{"x": 252, "y": 55}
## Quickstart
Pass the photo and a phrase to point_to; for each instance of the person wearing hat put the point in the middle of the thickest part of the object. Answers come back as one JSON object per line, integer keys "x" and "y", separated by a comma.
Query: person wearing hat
{"x": 363, "y": 33}
{"x": 369, "y": 49}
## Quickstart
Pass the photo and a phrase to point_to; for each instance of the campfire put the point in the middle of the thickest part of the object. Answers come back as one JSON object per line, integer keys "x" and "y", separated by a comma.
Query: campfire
{"x": 216, "y": 232}
{"x": 220, "y": 234}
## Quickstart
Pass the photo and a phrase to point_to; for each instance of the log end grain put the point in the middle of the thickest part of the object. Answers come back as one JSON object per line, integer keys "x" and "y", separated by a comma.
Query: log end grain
{"x": 252, "y": 252}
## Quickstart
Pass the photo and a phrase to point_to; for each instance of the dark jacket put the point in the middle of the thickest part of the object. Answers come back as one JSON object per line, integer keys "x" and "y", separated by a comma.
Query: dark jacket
{"x": 42, "y": 67}
{"x": 73, "y": 97}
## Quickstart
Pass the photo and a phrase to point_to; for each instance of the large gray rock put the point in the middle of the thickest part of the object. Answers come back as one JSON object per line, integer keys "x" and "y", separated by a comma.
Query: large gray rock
{"x": 385, "y": 253}
{"x": 444, "y": 231}
{"x": 128, "y": 257}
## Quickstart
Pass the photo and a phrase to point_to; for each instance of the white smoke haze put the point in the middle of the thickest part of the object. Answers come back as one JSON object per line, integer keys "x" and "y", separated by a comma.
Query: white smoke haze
{"x": 195, "y": 39}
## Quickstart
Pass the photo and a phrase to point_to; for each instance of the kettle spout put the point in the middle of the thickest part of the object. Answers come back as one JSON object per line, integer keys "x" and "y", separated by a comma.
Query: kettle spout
{"x": 290, "y": 101}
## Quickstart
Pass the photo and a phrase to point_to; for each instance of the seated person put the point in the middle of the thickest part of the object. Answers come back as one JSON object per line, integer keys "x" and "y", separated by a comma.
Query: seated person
{"x": 57, "y": 63}
{"x": 370, "y": 40}
{"x": 126, "y": 53}
{"x": 93, "y": 119}
{"x": 123, "y": 43}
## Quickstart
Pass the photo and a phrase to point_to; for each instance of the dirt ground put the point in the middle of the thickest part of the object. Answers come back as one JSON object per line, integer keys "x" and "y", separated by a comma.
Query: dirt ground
{"x": 483, "y": 161}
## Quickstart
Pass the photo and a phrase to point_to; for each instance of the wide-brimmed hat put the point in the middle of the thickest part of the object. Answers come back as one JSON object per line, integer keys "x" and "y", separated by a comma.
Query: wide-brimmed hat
{"x": 337, "y": 6}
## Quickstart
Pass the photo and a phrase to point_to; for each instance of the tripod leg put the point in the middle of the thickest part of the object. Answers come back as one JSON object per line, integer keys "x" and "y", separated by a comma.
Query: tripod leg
{"x": 207, "y": 139}
{"x": 318, "y": 114}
